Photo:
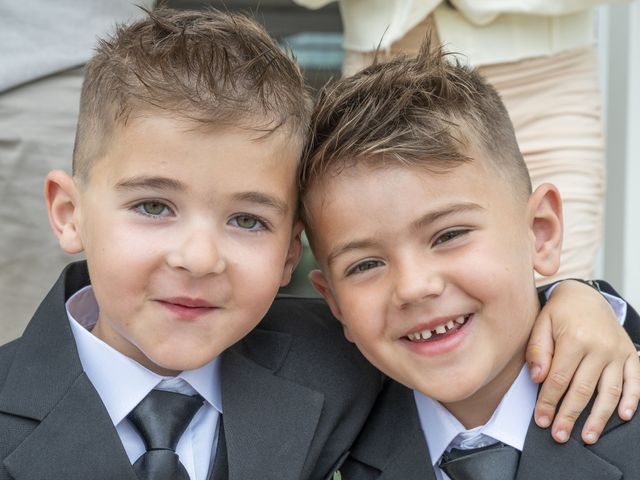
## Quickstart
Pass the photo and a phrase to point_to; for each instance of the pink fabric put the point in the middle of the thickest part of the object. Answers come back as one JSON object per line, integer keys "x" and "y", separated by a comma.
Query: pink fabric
{"x": 555, "y": 106}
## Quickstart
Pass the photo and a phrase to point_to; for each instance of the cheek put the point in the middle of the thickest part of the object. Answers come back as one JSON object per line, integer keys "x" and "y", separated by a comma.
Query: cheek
{"x": 257, "y": 272}
{"x": 123, "y": 267}
{"x": 364, "y": 320}
{"x": 130, "y": 262}
{"x": 487, "y": 273}
{"x": 118, "y": 236}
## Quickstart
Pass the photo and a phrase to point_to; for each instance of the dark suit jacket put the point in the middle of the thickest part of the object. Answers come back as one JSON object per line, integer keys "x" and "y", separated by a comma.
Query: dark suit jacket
{"x": 392, "y": 445}
{"x": 294, "y": 392}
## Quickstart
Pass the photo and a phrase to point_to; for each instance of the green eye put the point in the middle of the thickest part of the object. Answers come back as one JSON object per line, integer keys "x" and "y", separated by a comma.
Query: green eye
{"x": 248, "y": 222}
{"x": 153, "y": 208}
{"x": 245, "y": 221}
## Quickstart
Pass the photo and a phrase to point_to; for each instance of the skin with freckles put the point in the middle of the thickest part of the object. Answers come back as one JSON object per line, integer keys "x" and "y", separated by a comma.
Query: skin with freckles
{"x": 405, "y": 251}
{"x": 188, "y": 235}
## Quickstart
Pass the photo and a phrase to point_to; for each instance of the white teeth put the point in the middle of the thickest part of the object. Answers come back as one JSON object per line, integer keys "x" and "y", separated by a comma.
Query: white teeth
{"x": 439, "y": 330}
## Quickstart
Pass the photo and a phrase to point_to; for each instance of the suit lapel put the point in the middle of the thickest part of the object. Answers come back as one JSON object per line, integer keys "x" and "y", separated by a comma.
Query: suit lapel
{"x": 395, "y": 416}
{"x": 75, "y": 441}
{"x": 411, "y": 460}
{"x": 46, "y": 362}
{"x": 74, "y": 437}
{"x": 543, "y": 458}
{"x": 220, "y": 469}
{"x": 269, "y": 421}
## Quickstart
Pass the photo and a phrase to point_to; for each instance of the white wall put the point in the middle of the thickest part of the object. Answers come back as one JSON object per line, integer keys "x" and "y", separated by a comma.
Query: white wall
{"x": 619, "y": 32}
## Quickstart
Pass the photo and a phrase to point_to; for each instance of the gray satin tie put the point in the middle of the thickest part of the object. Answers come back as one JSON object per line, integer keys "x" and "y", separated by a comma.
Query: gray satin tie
{"x": 161, "y": 418}
{"x": 494, "y": 462}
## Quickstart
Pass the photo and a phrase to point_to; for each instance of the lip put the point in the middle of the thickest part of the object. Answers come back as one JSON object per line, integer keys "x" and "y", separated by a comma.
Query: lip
{"x": 442, "y": 344}
{"x": 187, "y": 308}
{"x": 188, "y": 302}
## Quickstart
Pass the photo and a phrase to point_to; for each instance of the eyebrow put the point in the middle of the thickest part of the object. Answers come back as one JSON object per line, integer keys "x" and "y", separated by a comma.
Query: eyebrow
{"x": 151, "y": 182}
{"x": 418, "y": 224}
{"x": 445, "y": 211}
{"x": 347, "y": 247}
{"x": 264, "y": 199}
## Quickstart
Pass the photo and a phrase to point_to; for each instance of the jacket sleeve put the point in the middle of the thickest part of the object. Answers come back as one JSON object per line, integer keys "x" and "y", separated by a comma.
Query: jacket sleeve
{"x": 631, "y": 320}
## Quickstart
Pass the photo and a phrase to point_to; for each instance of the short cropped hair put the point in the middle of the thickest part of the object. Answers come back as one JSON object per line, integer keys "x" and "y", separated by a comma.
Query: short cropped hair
{"x": 428, "y": 111}
{"x": 215, "y": 68}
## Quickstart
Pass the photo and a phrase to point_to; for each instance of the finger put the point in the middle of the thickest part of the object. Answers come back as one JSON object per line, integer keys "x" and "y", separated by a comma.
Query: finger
{"x": 609, "y": 393}
{"x": 563, "y": 367}
{"x": 630, "y": 388}
{"x": 580, "y": 390}
{"x": 540, "y": 348}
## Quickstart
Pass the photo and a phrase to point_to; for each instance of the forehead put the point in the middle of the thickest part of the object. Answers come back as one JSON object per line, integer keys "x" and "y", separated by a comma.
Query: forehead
{"x": 379, "y": 204}
{"x": 399, "y": 183}
{"x": 202, "y": 159}
{"x": 164, "y": 136}
{"x": 135, "y": 124}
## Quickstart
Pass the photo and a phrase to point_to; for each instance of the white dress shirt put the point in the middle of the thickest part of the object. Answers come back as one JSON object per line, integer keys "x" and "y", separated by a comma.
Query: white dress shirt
{"x": 122, "y": 383}
{"x": 508, "y": 424}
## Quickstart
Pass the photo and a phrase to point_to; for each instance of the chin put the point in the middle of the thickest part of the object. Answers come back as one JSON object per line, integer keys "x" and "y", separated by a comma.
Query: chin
{"x": 451, "y": 389}
{"x": 175, "y": 362}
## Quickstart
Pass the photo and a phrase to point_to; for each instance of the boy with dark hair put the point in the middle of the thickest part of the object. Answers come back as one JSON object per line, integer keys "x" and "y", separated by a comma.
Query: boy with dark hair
{"x": 162, "y": 356}
{"x": 428, "y": 234}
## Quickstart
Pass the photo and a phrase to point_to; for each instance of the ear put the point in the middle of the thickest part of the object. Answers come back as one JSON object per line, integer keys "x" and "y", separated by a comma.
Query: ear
{"x": 321, "y": 285}
{"x": 293, "y": 254}
{"x": 545, "y": 221}
{"x": 62, "y": 196}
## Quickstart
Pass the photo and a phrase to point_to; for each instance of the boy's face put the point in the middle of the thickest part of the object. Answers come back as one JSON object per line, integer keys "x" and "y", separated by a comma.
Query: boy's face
{"x": 188, "y": 236}
{"x": 432, "y": 274}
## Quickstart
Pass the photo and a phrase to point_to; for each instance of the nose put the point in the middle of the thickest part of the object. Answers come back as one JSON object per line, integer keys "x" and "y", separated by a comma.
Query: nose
{"x": 416, "y": 281}
{"x": 198, "y": 251}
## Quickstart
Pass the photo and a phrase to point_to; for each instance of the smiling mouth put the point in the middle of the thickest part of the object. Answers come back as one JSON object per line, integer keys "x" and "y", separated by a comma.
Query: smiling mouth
{"x": 188, "y": 309}
{"x": 440, "y": 331}
{"x": 187, "y": 302}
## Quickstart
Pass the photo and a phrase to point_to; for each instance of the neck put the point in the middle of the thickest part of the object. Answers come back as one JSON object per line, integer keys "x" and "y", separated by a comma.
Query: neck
{"x": 477, "y": 409}
{"x": 116, "y": 342}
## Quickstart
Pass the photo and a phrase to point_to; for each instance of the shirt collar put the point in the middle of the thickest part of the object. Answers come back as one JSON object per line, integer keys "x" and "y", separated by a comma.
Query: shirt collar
{"x": 120, "y": 381}
{"x": 508, "y": 424}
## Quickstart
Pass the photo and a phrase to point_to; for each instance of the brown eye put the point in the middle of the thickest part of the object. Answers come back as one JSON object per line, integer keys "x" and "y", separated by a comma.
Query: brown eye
{"x": 364, "y": 266}
{"x": 449, "y": 235}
